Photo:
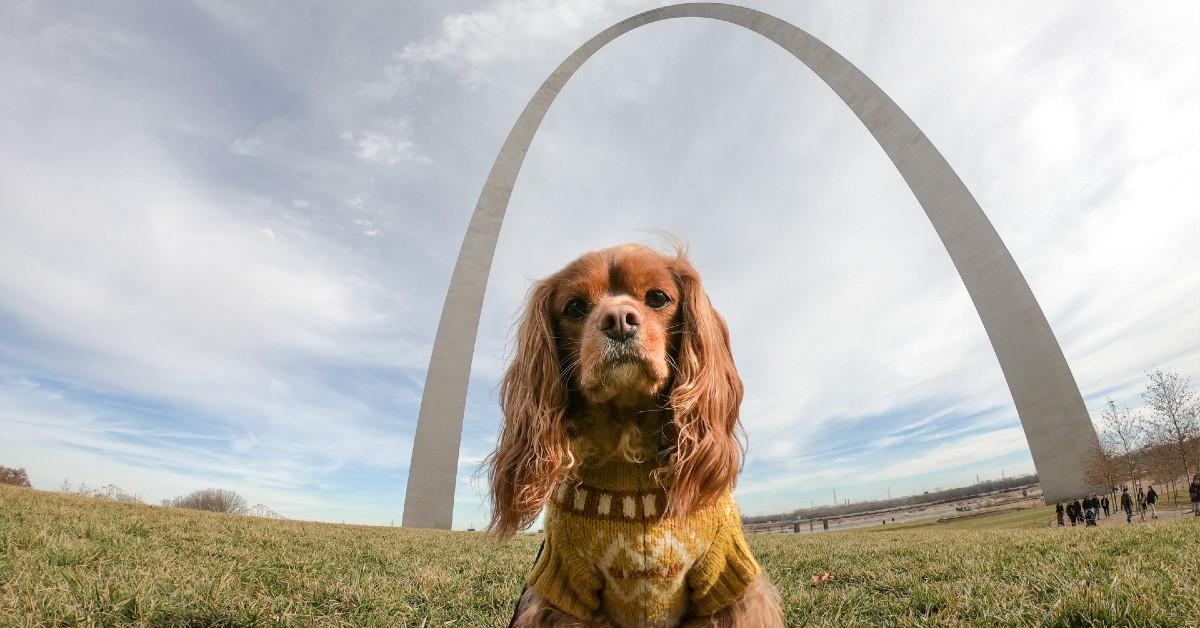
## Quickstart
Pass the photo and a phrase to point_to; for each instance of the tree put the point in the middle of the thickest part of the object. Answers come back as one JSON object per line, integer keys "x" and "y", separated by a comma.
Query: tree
{"x": 1173, "y": 421}
{"x": 14, "y": 477}
{"x": 212, "y": 500}
{"x": 1103, "y": 468}
{"x": 1122, "y": 435}
{"x": 1161, "y": 465}
{"x": 116, "y": 493}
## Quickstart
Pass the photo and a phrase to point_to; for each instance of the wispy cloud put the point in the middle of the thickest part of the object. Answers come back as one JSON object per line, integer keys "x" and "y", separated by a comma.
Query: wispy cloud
{"x": 383, "y": 148}
{"x": 472, "y": 43}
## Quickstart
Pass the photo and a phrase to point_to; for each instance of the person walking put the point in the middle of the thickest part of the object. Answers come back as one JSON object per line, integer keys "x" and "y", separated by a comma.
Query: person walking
{"x": 1104, "y": 504}
{"x": 1091, "y": 509}
{"x": 1127, "y": 505}
{"x": 1194, "y": 492}
{"x": 1078, "y": 511}
{"x": 1152, "y": 502}
{"x": 1141, "y": 503}
{"x": 1058, "y": 513}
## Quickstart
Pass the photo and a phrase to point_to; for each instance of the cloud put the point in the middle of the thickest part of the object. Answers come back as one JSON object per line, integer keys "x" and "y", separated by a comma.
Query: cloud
{"x": 387, "y": 148}
{"x": 970, "y": 450}
{"x": 58, "y": 438}
{"x": 473, "y": 42}
{"x": 176, "y": 297}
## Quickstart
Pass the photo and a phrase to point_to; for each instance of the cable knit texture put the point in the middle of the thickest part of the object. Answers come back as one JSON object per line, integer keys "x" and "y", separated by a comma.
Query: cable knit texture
{"x": 609, "y": 551}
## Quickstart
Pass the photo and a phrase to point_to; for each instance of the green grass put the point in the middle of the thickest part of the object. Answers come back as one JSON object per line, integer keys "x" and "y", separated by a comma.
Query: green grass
{"x": 68, "y": 560}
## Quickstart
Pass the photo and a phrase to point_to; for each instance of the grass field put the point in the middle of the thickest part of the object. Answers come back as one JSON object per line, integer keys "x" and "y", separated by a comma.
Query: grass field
{"x": 67, "y": 560}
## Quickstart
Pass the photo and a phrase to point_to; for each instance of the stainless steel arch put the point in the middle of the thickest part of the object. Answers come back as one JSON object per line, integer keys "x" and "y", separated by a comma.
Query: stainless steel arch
{"x": 1052, "y": 413}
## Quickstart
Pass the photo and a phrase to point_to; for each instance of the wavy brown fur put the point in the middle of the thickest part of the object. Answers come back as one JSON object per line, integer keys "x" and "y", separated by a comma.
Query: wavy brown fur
{"x": 533, "y": 454}
{"x": 705, "y": 396}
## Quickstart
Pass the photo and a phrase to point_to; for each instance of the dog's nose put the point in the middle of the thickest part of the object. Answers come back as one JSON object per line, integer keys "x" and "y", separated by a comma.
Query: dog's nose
{"x": 621, "y": 322}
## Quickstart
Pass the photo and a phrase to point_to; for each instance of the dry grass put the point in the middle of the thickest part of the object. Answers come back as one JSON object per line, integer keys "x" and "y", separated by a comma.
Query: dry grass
{"x": 68, "y": 560}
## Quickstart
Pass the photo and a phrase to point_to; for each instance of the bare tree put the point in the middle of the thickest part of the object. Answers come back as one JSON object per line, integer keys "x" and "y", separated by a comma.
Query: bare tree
{"x": 1162, "y": 465}
{"x": 1103, "y": 468}
{"x": 116, "y": 494}
{"x": 14, "y": 477}
{"x": 212, "y": 500}
{"x": 1173, "y": 421}
{"x": 1121, "y": 435}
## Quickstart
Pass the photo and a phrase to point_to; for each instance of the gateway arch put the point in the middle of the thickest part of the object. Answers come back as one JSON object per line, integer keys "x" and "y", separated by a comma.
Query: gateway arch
{"x": 1048, "y": 402}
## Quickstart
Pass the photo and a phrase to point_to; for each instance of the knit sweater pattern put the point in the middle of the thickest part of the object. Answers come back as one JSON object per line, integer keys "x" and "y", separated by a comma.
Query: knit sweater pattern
{"x": 610, "y": 552}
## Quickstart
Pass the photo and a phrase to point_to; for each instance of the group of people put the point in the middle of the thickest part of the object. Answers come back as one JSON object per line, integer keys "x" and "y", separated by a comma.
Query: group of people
{"x": 1088, "y": 511}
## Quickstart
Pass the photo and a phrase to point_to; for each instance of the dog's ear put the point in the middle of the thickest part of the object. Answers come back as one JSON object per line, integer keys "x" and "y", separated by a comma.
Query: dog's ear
{"x": 706, "y": 454}
{"x": 533, "y": 452}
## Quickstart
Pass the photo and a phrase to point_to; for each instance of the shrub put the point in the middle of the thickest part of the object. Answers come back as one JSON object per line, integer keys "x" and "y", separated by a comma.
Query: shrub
{"x": 15, "y": 477}
{"x": 211, "y": 500}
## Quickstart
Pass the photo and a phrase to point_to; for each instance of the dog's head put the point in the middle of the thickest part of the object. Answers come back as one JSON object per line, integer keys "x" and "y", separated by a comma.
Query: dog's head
{"x": 629, "y": 330}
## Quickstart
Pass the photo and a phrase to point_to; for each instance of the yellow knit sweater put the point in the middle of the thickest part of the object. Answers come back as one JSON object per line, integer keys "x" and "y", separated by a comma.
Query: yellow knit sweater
{"x": 609, "y": 551}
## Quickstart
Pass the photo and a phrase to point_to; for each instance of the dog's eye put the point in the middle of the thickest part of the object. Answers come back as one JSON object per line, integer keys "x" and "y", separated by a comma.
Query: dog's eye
{"x": 576, "y": 308}
{"x": 657, "y": 299}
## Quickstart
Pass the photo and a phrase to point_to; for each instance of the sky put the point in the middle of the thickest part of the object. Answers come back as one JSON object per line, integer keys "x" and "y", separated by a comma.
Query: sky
{"x": 227, "y": 229}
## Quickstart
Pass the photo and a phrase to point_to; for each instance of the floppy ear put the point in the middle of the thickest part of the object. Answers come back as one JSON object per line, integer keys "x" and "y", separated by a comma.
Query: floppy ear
{"x": 706, "y": 456}
{"x": 533, "y": 454}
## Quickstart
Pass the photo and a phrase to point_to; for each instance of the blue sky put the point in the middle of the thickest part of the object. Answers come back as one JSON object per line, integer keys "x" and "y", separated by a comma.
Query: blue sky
{"x": 226, "y": 230}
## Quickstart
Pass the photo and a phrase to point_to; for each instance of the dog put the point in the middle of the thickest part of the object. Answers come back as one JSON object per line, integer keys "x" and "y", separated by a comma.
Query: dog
{"x": 621, "y": 419}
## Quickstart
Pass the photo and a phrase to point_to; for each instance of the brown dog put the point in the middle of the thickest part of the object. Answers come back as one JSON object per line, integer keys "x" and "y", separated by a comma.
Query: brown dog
{"x": 621, "y": 412}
